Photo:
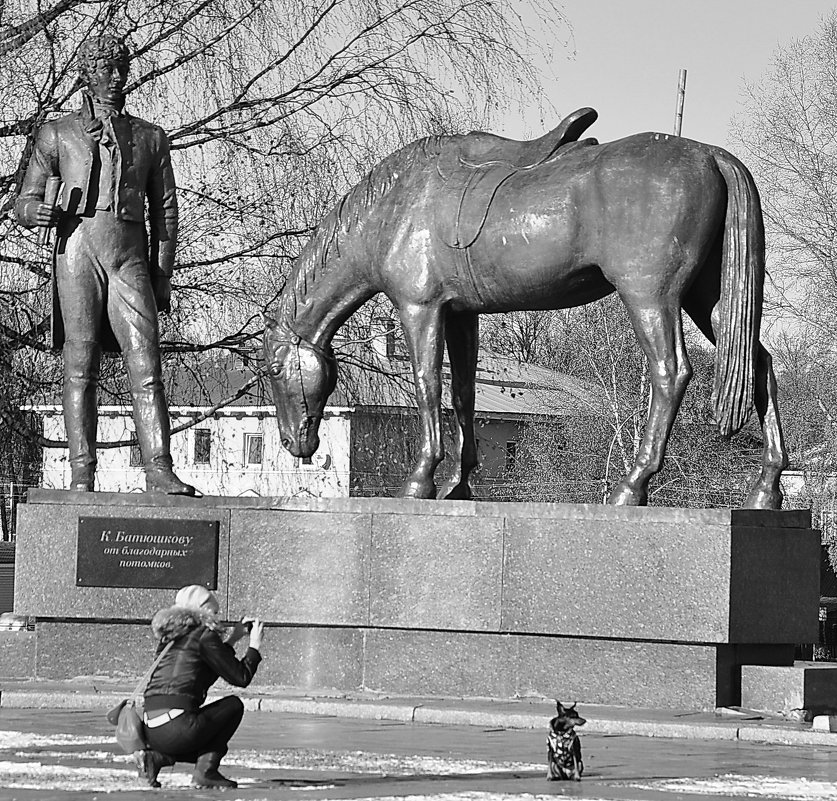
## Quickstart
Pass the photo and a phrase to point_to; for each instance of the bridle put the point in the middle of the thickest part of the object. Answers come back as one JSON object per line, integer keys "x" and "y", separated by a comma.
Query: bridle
{"x": 298, "y": 343}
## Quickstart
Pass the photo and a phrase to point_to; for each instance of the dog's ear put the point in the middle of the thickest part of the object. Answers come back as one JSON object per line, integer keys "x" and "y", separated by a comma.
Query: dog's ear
{"x": 560, "y": 707}
{"x": 571, "y": 708}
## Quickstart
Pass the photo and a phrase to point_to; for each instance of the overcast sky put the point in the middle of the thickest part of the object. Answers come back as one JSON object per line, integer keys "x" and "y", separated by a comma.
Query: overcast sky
{"x": 628, "y": 54}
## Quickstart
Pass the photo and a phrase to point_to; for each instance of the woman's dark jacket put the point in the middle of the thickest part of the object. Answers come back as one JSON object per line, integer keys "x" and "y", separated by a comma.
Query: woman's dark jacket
{"x": 194, "y": 662}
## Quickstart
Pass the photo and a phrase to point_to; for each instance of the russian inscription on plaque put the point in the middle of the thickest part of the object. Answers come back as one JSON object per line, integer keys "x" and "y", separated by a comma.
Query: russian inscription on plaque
{"x": 132, "y": 552}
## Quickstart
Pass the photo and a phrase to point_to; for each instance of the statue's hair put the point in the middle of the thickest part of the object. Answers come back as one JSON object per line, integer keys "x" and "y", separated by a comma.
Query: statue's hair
{"x": 100, "y": 48}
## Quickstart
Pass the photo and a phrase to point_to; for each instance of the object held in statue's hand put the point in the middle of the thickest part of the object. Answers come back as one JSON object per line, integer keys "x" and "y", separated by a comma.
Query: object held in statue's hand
{"x": 53, "y": 187}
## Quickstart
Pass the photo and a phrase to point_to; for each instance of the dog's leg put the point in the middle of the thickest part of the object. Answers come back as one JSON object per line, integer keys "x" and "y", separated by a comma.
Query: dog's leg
{"x": 578, "y": 765}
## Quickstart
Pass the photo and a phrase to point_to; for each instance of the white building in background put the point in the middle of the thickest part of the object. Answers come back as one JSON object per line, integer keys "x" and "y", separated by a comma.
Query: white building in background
{"x": 364, "y": 447}
{"x": 236, "y": 452}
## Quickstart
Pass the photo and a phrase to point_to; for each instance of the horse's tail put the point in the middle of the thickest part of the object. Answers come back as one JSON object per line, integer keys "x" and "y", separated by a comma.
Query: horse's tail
{"x": 740, "y": 305}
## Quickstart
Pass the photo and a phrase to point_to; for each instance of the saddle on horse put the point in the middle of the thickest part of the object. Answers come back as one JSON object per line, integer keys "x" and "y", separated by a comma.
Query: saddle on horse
{"x": 474, "y": 169}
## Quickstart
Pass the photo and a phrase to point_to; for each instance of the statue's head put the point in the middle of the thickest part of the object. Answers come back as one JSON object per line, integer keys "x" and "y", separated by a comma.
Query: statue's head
{"x": 103, "y": 66}
{"x": 302, "y": 376}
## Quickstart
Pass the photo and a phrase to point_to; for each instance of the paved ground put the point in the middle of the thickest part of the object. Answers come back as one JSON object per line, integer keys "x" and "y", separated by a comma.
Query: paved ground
{"x": 70, "y": 754}
{"x": 525, "y": 713}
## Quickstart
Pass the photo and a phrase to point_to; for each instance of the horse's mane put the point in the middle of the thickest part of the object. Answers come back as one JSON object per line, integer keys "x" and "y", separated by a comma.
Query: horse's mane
{"x": 349, "y": 210}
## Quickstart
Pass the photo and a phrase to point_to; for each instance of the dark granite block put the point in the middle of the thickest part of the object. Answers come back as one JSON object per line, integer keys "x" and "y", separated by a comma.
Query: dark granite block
{"x": 775, "y": 588}
{"x": 645, "y": 599}
{"x": 732, "y": 658}
{"x": 625, "y": 580}
{"x": 439, "y": 663}
{"x": 674, "y": 516}
{"x": 667, "y": 675}
{"x": 17, "y": 654}
{"x": 293, "y": 657}
{"x": 45, "y": 562}
{"x": 72, "y": 650}
{"x": 300, "y": 567}
{"x": 312, "y": 659}
{"x": 436, "y": 572}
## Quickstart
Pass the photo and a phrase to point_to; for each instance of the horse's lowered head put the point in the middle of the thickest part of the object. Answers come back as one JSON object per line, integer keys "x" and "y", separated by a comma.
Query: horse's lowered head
{"x": 303, "y": 376}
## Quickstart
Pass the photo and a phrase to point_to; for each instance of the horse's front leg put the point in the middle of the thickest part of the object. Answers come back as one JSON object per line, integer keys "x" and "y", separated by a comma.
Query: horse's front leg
{"x": 660, "y": 333}
{"x": 423, "y": 331}
{"x": 766, "y": 492}
{"x": 462, "y": 337}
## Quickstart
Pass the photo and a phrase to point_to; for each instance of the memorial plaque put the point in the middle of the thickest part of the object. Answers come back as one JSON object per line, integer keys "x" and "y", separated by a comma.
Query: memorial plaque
{"x": 136, "y": 552}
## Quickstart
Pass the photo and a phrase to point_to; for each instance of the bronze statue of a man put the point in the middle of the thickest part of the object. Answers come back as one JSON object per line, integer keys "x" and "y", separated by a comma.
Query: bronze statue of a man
{"x": 111, "y": 276}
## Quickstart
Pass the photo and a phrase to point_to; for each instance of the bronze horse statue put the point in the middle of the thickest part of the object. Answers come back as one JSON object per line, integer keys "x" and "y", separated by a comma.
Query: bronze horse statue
{"x": 452, "y": 226}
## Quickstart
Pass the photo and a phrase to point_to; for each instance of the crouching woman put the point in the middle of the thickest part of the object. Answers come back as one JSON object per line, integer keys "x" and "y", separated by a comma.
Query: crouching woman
{"x": 178, "y": 727}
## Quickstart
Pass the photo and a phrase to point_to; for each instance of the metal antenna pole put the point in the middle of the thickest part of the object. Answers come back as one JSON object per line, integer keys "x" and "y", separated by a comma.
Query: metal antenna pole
{"x": 681, "y": 97}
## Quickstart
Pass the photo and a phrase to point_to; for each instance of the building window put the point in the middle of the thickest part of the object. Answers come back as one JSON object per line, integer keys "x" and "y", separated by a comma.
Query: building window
{"x": 511, "y": 456}
{"x": 135, "y": 459}
{"x": 253, "y": 449}
{"x": 203, "y": 445}
{"x": 387, "y": 326}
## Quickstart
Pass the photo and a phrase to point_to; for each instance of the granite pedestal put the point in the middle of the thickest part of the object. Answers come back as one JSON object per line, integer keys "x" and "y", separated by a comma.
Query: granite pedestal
{"x": 809, "y": 687}
{"x": 649, "y": 606}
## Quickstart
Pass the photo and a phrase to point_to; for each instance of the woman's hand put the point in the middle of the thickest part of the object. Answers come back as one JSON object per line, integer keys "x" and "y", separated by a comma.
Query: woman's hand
{"x": 256, "y": 634}
{"x": 239, "y": 630}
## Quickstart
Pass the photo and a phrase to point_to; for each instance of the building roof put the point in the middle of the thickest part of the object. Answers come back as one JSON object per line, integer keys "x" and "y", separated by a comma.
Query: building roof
{"x": 505, "y": 387}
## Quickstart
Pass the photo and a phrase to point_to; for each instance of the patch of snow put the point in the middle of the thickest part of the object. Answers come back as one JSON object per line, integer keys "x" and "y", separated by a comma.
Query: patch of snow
{"x": 19, "y": 739}
{"x": 736, "y": 785}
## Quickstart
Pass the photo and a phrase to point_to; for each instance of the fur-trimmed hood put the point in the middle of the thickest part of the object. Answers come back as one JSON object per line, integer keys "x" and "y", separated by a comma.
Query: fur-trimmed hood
{"x": 175, "y": 621}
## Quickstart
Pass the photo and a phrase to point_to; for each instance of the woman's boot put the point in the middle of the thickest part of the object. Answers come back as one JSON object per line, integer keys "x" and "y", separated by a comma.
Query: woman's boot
{"x": 206, "y": 772}
{"x": 149, "y": 763}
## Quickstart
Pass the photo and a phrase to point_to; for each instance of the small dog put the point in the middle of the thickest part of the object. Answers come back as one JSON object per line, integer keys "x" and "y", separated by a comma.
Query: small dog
{"x": 563, "y": 745}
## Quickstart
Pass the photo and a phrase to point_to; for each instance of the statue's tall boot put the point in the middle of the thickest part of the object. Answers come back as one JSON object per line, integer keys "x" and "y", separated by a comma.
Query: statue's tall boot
{"x": 151, "y": 415}
{"x": 81, "y": 380}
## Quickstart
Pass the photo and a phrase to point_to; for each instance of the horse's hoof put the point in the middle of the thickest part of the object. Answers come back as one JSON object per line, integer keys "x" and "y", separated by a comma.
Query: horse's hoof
{"x": 456, "y": 492}
{"x": 763, "y": 499}
{"x": 417, "y": 489}
{"x": 623, "y": 495}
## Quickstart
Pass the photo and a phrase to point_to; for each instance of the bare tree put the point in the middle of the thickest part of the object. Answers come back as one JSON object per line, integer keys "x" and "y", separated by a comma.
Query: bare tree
{"x": 523, "y": 335}
{"x": 580, "y": 458}
{"x": 787, "y": 135}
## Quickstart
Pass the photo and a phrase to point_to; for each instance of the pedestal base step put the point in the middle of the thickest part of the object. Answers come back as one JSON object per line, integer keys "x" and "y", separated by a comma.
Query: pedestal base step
{"x": 807, "y": 689}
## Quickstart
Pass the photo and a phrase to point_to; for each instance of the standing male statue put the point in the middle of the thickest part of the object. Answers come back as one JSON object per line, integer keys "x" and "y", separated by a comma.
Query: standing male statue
{"x": 110, "y": 274}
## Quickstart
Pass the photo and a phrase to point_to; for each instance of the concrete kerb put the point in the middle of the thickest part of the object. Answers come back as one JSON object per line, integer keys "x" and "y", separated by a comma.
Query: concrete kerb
{"x": 445, "y": 713}
{"x": 778, "y": 736}
{"x": 32, "y": 699}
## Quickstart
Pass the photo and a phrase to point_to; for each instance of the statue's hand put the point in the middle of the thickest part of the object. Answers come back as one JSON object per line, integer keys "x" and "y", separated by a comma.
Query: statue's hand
{"x": 161, "y": 284}
{"x": 46, "y": 215}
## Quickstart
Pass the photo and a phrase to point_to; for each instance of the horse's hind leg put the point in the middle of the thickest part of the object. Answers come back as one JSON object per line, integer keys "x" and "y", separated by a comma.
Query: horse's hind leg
{"x": 659, "y": 330}
{"x": 422, "y": 327}
{"x": 766, "y": 492}
{"x": 462, "y": 336}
